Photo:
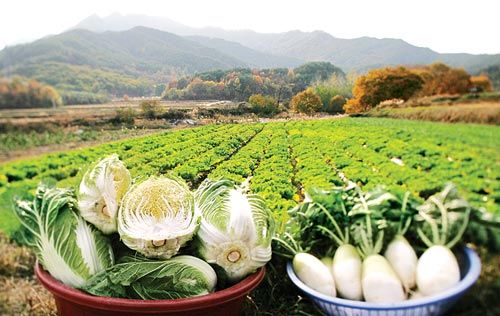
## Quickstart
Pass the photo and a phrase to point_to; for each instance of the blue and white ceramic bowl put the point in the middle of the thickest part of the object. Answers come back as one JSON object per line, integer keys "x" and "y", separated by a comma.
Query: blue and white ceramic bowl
{"x": 470, "y": 268}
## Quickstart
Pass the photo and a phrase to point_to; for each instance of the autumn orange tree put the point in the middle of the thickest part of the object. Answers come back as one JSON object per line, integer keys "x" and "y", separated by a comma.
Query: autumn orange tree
{"x": 382, "y": 84}
{"x": 19, "y": 92}
{"x": 306, "y": 102}
{"x": 481, "y": 83}
{"x": 442, "y": 79}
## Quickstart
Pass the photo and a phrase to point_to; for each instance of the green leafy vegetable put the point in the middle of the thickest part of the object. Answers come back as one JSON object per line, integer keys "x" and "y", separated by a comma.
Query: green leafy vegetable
{"x": 69, "y": 248}
{"x": 236, "y": 228}
{"x": 142, "y": 278}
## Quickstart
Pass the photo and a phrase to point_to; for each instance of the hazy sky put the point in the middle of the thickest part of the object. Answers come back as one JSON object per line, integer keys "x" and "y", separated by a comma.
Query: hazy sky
{"x": 443, "y": 25}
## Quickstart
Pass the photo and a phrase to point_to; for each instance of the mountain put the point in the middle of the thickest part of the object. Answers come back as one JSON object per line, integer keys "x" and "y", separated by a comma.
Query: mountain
{"x": 358, "y": 54}
{"x": 139, "y": 55}
{"x": 118, "y": 22}
{"x": 138, "y": 51}
{"x": 251, "y": 57}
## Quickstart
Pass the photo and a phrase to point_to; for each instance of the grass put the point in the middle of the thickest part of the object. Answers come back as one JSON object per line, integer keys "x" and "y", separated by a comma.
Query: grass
{"x": 20, "y": 293}
{"x": 482, "y": 113}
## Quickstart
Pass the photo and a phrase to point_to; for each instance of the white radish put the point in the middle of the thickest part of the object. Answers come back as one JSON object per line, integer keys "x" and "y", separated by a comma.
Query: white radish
{"x": 347, "y": 272}
{"x": 403, "y": 260}
{"x": 437, "y": 270}
{"x": 399, "y": 252}
{"x": 445, "y": 215}
{"x": 314, "y": 273}
{"x": 379, "y": 281}
{"x": 346, "y": 261}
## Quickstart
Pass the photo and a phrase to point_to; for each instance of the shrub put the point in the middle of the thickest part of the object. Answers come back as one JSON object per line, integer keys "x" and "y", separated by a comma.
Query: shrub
{"x": 336, "y": 105}
{"x": 125, "y": 116}
{"x": 307, "y": 102}
{"x": 263, "y": 105}
{"x": 150, "y": 109}
{"x": 382, "y": 84}
{"x": 242, "y": 109}
{"x": 175, "y": 114}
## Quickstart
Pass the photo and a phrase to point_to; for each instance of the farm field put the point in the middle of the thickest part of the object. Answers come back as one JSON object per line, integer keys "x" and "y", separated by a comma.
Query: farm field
{"x": 283, "y": 160}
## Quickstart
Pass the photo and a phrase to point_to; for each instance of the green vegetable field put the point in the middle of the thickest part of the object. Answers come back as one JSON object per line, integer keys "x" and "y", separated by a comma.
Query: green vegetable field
{"x": 283, "y": 159}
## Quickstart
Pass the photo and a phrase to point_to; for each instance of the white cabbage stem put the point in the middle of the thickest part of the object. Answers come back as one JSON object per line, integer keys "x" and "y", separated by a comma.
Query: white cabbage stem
{"x": 403, "y": 260}
{"x": 314, "y": 273}
{"x": 379, "y": 281}
{"x": 347, "y": 272}
{"x": 437, "y": 270}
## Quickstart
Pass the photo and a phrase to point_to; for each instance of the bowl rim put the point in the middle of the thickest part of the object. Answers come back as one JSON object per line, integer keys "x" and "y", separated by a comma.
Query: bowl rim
{"x": 470, "y": 277}
{"x": 60, "y": 290}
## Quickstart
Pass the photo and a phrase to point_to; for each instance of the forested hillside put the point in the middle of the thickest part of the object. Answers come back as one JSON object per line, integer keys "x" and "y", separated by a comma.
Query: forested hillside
{"x": 115, "y": 63}
{"x": 357, "y": 54}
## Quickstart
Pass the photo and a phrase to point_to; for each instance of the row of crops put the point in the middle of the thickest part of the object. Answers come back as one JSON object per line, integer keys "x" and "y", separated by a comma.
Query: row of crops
{"x": 283, "y": 159}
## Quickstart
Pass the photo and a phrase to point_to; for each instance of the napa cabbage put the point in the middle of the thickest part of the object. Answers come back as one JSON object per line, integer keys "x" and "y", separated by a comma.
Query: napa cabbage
{"x": 236, "y": 228}
{"x": 69, "y": 248}
{"x": 157, "y": 217}
{"x": 143, "y": 278}
{"x": 101, "y": 191}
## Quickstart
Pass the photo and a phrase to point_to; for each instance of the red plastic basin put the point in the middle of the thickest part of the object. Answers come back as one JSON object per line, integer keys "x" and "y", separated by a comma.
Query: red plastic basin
{"x": 72, "y": 302}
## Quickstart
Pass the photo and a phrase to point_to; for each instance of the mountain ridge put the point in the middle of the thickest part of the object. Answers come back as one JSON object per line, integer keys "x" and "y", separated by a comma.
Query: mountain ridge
{"x": 357, "y": 54}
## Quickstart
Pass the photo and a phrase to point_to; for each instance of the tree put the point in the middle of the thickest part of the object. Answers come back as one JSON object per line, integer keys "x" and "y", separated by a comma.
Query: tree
{"x": 312, "y": 72}
{"x": 19, "y": 92}
{"x": 439, "y": 79}
{"x": 493, "y": 72}
{"x": 481, "y": 83}
{"x": 336, "y": 105}
{"x": 307, "y": 102}
{"x": 263, "y": 105}
{"x": 334, "y": 86}
{"x": 382, "y": 84}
